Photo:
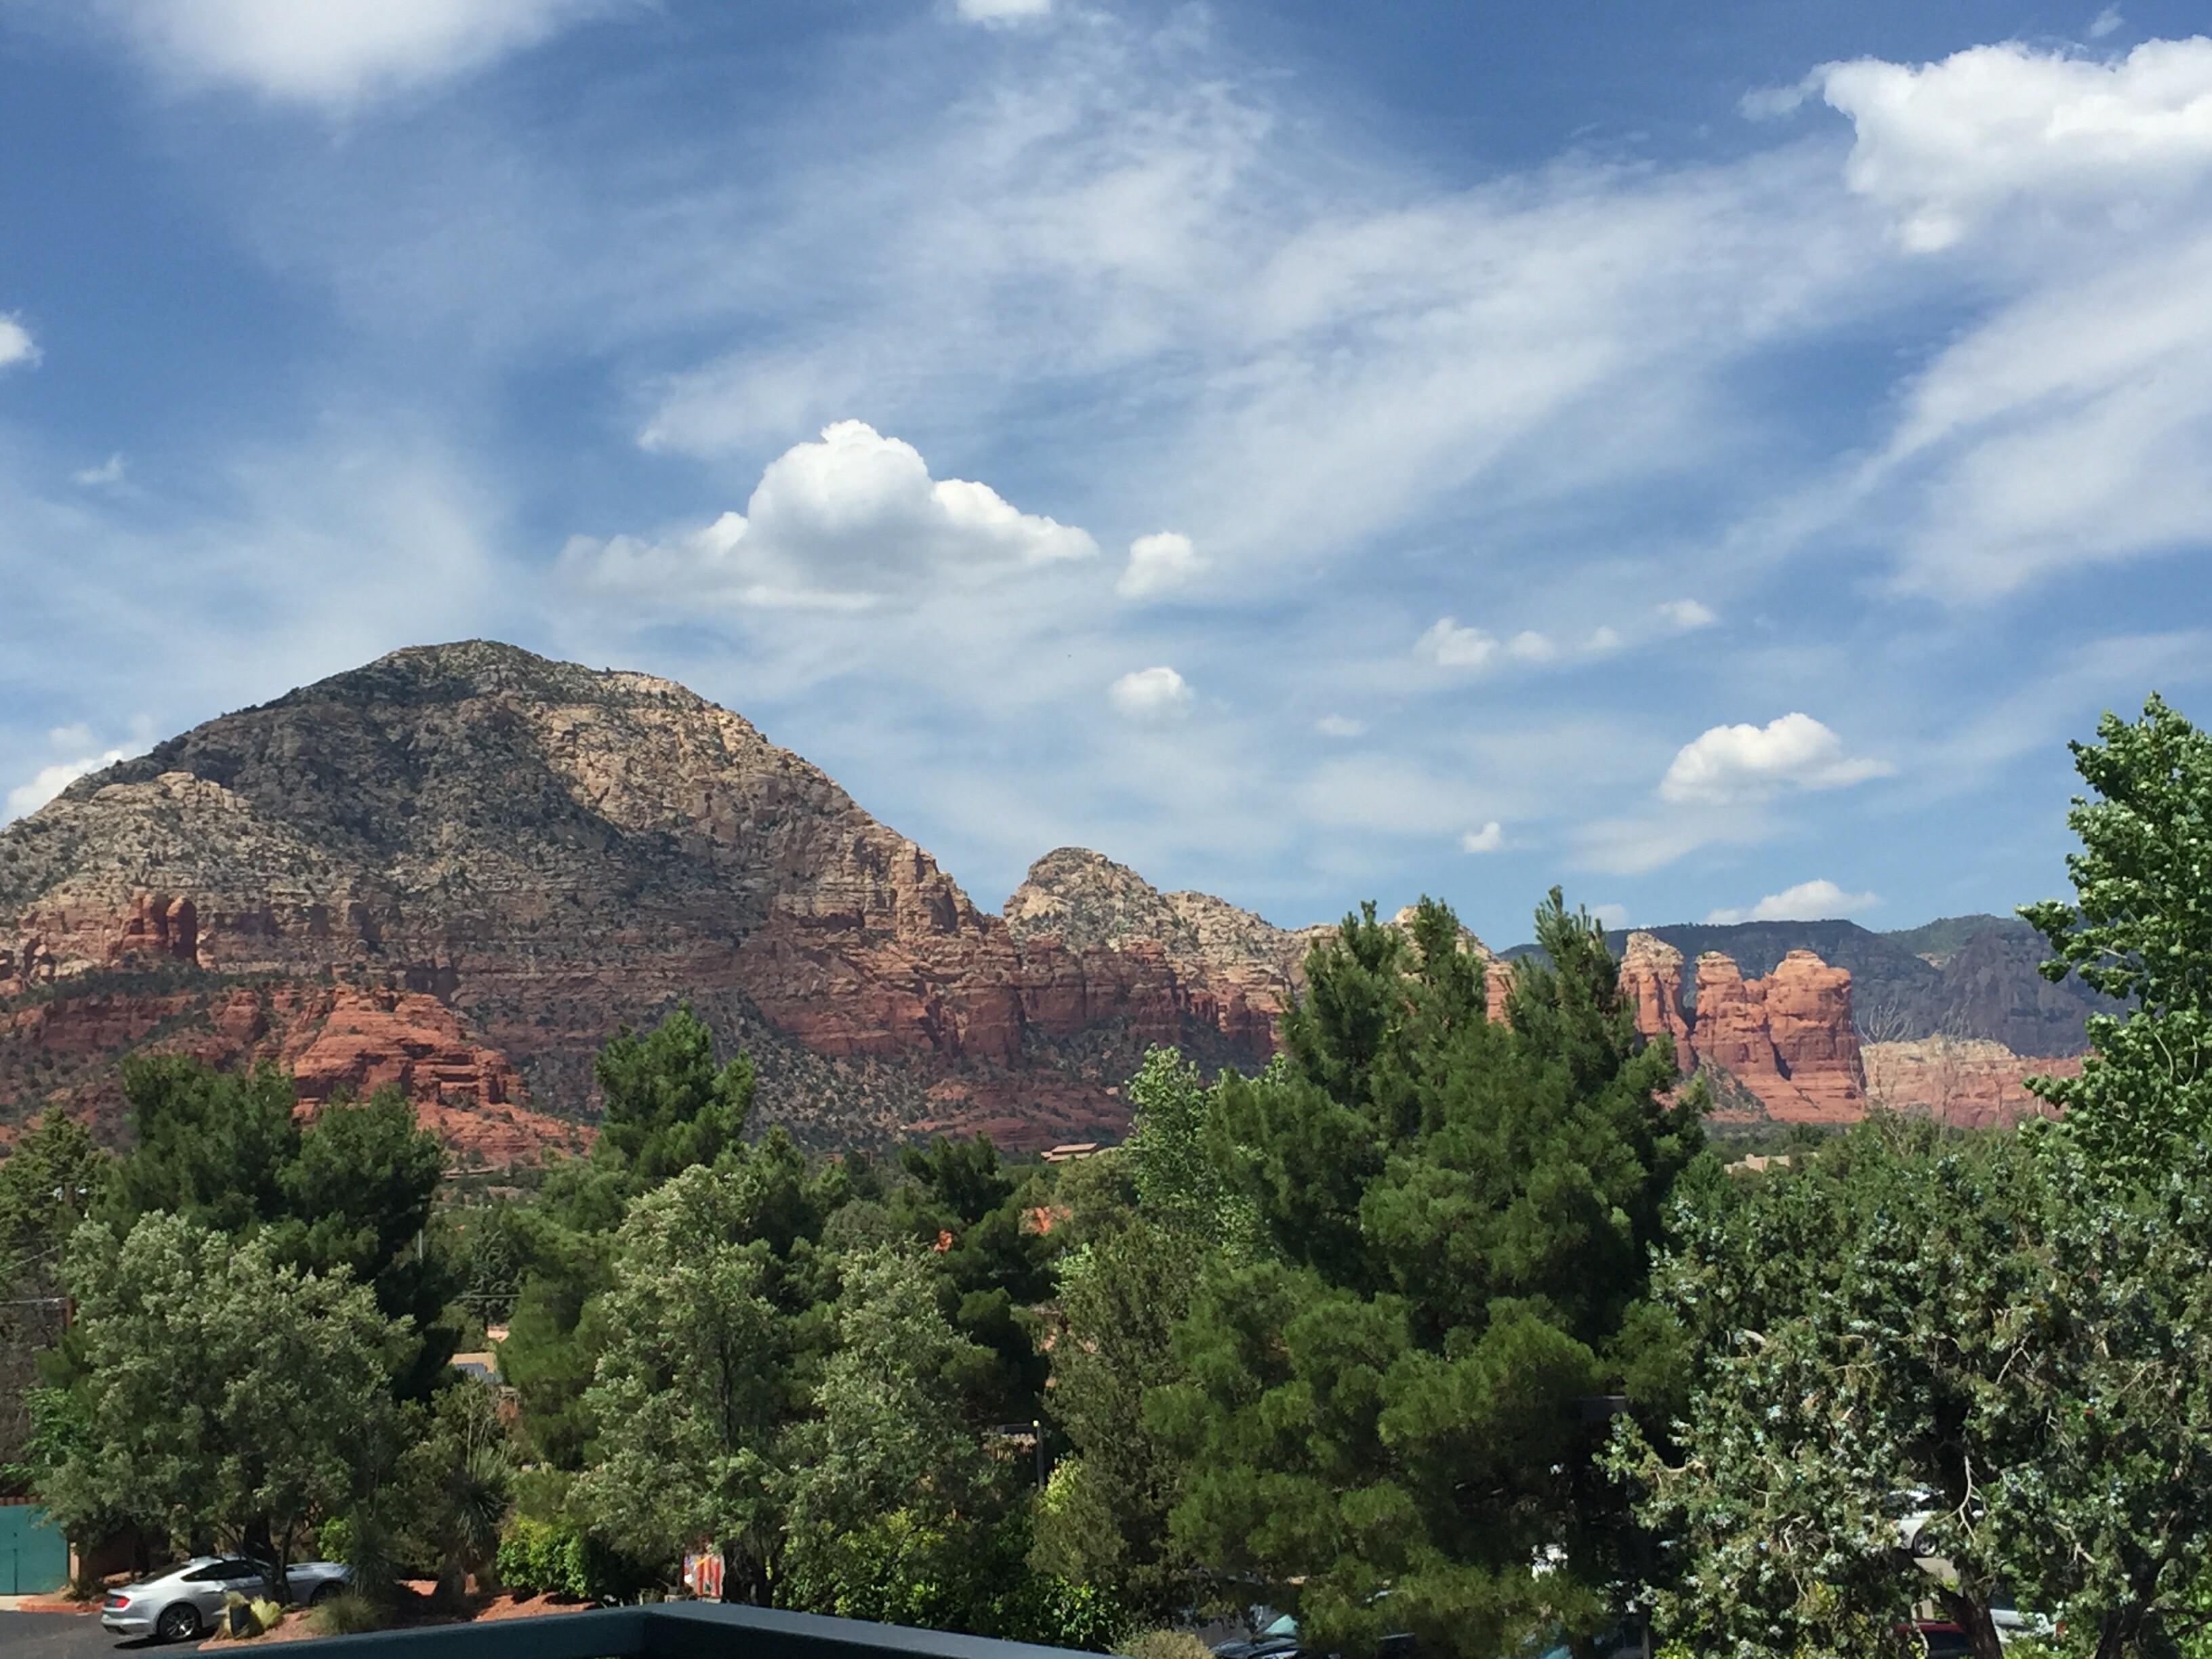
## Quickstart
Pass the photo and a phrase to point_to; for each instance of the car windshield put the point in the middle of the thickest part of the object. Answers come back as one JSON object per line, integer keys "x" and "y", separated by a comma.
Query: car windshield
{"x": 1282, "y": 1625}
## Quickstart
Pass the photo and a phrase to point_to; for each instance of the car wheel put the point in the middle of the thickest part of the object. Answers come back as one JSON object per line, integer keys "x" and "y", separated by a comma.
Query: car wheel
{"x": 323, "y": 1593}
{"x": 180, "y": 1623}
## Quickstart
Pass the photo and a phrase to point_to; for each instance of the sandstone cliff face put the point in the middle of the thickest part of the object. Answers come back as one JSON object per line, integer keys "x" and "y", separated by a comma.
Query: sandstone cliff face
{"x": 1651, "y": 979}
{"x": 1098, "y": 943}
{"x": 542, "y": 851}
{"x": 1969, "y": 1082}
{"x": 1787, "y": 1038}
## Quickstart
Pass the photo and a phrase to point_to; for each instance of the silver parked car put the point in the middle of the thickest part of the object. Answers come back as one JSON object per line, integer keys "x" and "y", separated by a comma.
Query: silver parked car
{"x": 183, "y": 1601}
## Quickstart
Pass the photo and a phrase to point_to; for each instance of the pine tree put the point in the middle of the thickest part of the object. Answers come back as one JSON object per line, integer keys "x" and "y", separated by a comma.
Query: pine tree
{"x": 1456, "y": 1216}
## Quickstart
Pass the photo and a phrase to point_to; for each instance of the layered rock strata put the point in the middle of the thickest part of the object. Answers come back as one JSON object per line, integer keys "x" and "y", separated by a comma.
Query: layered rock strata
{"x": 1968, "y": 1082}
{"x": 497, "y": 859}
{"x": 1787, "y": 1038}
{"x": 1098, "y": 944}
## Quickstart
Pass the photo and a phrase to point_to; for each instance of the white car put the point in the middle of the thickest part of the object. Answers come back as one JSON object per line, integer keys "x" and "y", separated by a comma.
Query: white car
{"x": 184, "y": 1602}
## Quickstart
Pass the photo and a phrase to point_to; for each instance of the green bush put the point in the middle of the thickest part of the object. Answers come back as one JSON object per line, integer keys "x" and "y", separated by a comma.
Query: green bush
{"x": 336, "y": 1538}
{"x": 1162, "y": 1644}
{"x": 541, "y": 1557}
{"x": 347, "y": 1614}
{"x": 898, "y": 1570}
{"x": 538, "y": 1557}
{"x": 1061, "y": 1614}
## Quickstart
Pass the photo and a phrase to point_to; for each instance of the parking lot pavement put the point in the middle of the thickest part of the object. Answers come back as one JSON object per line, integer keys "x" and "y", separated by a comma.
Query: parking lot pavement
{"x": 61, "y": 1636}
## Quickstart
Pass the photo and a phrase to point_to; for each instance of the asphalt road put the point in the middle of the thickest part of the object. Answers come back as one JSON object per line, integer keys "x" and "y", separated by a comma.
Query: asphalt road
{"x": 65, "y": 1636}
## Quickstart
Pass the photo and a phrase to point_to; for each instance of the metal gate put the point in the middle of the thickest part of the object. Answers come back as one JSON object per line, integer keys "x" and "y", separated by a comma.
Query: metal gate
{"x": 34, "y": 1556}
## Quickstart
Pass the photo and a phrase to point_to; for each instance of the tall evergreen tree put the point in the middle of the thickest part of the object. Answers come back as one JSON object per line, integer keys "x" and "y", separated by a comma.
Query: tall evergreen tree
{"x": 1916, "y": 1333}
{"x": 358, "y": 1194}
{"x": 222, "y": 1392}
{"x": 211, "y": 1146}
{"x": 695, "y": 1386}
{"x": 669, "y": 1107}
{"x": 967, "y": 1212}
{"x": 1458, "y": 1214}
{"x": 1104, "y": 1519}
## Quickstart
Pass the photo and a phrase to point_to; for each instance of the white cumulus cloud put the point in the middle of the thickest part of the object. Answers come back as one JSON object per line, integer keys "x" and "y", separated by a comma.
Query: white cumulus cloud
{"x": 1611, "y": 917}
{"x": 840, "y": 523}
{"x": 1450, "y": 646}
{"x": 335, "y": 51}
{"x": 1730, "y": 763}
{"x": 1488, "y": 839}
{"x": 1151, "y": 693}
{"x": 1339, "y": 725}
{"x": 28, "y": 797}
{"x": 1945, "y": 145}
{"x": 106, "y": 476}
{"x": 1157, "y": 563}
{"x": 1820, "y": 900}
{"x": 16, "y": 346}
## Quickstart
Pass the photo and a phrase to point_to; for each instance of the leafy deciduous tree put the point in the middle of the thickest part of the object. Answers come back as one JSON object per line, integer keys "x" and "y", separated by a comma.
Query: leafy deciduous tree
{"x": 2140, "y": 929}
{"x": 1950, "y": 1328}
{"x": 221, "y": 1392}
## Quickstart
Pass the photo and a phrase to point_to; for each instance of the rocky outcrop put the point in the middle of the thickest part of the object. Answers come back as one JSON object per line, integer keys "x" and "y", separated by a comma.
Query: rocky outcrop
{"x": 1098, "y": 943}
{"x": 1971, "y": 976}
{"x": 1969, "y": 1082}
{"x": 1651, "y": 980}
{"x": 1787, "y": 1039}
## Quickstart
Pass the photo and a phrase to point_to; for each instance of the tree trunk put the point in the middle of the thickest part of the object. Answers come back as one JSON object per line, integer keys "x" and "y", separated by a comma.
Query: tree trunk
{"x": 1973, "y": 1618}
{"x": 258, "y": 1545}
{"x": 2119, "y": 1633}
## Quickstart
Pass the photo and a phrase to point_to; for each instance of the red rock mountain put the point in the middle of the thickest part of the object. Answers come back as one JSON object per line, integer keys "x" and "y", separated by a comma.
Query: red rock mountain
{"x": 460, "y": 867}
{"x": 457, "y": 869}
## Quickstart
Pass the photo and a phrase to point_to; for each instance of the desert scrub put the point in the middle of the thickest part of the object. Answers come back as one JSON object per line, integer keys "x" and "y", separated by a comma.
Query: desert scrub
{"x": 347, "y": 1613}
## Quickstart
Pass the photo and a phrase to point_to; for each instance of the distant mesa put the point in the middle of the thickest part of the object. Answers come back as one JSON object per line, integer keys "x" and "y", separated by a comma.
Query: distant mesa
{"x": 457, "y": 869}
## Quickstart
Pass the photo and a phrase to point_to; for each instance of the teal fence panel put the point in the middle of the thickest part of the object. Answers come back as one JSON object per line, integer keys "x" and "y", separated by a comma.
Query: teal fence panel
{"x": 34, "y": 1555}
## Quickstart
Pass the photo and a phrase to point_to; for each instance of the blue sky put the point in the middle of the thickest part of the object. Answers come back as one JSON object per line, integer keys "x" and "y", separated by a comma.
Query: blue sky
{"x": 1711, "y": 455}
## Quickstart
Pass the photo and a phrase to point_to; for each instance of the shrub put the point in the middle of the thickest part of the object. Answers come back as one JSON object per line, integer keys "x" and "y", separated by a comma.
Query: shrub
{"x": 1163, "y": 1644}
{"x": 335, "y": 1539}
{"x": 541, "y": 1557}
{"x": 347, "y": 1614}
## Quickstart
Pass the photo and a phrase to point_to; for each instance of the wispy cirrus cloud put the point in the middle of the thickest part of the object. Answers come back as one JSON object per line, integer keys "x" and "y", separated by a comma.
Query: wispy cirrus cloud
{"x": 1534, "y": 418}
